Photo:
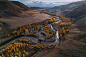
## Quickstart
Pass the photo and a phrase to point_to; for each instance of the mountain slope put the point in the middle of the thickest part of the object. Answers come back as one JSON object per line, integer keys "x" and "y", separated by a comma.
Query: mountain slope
{"x": 8, "y": 8}
{"x": 78, "y": 13}
{"x": 69, "y": 6}
{"x": 21, "y": 5}
{"x": 81, "y": 24}
{"x": 64, "y": 9}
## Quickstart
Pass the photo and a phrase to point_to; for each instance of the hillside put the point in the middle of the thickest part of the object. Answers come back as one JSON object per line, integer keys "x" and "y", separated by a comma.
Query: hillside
{"x": 21, "y": 5}
{"x": 31, "y": 34}
{"x": 64, "y": 9}
{"x": 78, "y": 13}
{"x": 16, "y": 14}
{"x": 13, "y": 8}
{"x": 69, "y": 6}
{"x": 81, "y": 24}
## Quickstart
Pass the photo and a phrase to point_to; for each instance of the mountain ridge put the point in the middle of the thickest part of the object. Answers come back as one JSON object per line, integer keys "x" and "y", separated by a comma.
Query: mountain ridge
{"x": 69, "y": 6}
{"x": 78, "y": 13}
{"x": 12, "y": 8}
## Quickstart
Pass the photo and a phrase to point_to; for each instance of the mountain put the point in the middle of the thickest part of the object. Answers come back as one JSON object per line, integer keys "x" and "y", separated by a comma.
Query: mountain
{"x": 36, "y": 8}
{"x": 45, "y": 4}
{"x": 12, "y": 8}
{"x": 21, "y": 5}
{"x": 64, "y": 9}
{"x": 78, "y": 13}
{"x": 79, "y": 16}
{"x": 69, "y": 6}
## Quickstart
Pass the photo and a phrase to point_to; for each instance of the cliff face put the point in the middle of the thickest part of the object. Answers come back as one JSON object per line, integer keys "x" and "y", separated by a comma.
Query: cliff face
{"x": 8, "y": 8}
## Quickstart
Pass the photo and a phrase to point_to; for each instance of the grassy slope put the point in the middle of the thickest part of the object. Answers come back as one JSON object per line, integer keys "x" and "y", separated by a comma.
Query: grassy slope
{"x": 26, "y": 18}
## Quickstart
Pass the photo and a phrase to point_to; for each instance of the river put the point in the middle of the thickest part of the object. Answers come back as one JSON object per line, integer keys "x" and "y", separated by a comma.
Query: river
{"x": 36, "y": 39}
{"x": 56, "y": 35}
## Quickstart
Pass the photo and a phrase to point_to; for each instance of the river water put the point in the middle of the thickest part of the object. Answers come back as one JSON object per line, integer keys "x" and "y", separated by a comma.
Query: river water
{"x": 56, "y": 36}
{"x": 37, "y": 40}
{"x": 45, "y": 42}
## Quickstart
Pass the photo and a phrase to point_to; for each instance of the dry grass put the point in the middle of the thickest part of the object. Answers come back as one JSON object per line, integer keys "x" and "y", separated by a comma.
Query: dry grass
{"x": 81, "y": 24}
{"x": 26, "y": 18}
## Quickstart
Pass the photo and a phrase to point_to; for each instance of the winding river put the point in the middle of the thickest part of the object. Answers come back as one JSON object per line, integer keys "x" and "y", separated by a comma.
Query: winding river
{"x": 36, "y": 39}
{"x": 45, "y": 42}
{"x": 56, "y": 36}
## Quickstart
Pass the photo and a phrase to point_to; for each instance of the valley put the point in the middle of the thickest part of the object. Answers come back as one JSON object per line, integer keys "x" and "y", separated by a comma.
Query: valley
{"x": 42, "y": 32}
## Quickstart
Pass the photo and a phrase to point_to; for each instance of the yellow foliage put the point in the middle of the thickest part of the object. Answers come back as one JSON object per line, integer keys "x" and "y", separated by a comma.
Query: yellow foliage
{"x": 14, "y": 32}
{"x": 67, "y": 30}
{"x": 27, "y": 53}
{"x": 23, "y": 40}
{"x": 64, "y": 24}
{"x": 62, "y": 31}
{"x": 53, "y": 19}
{"x": 69, "y": 23}
{"x": 8, "y": 35}
{"x": 3, "y": 50}
{"x": 65, "y": 27}
{"x": 15, "y": 56}
{"x": 24, "y": 51}
{"x": 60, "y": 35}
{"x": 60, "y": 16}
{"x": 19, "y": 55}
{"x": 23, "y": 55}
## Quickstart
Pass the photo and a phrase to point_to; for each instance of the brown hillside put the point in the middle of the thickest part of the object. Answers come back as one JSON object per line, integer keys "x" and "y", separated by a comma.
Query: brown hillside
{"x": 78, "y": 13}
{"x": 8, "y": 8}
{"x": 21, "y": 5}
{"x": 81, "y": 24}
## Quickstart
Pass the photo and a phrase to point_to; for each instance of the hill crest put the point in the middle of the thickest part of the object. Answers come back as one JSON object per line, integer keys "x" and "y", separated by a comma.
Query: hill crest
{"x": 11, "y": 8}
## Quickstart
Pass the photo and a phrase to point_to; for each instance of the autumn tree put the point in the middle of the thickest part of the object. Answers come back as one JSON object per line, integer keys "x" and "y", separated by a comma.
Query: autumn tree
{"x": 62, "y": 31}
{"x": 65, "y": 27}
{"x": 69, "y": 23}
{"x": 67, "y": 31}
{"x": 60, "y": 16}
{"x": 8, "y": 35}
{"x": 60, "y": 36}
{"x": 14, "y": 32}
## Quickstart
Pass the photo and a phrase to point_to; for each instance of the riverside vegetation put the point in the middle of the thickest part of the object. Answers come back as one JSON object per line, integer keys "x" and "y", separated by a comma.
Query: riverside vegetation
{"x": 23, "y": 47}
